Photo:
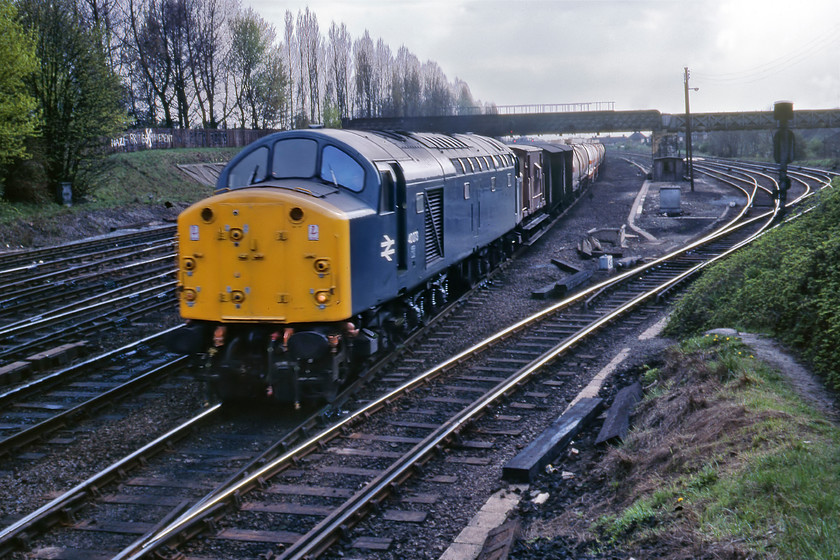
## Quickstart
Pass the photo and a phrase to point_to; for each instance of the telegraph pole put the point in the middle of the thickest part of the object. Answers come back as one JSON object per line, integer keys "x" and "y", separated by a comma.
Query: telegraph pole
{"x": 688, "y": 151}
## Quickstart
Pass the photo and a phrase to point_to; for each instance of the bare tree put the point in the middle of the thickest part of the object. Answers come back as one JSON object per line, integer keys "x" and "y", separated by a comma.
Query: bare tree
{"x": 464, "y": 102}
{"x": 146, "y": 46}
{"x": 409, "y": 86}
{"x": 437, "y": 96}
{"x": 340, "y": 61}
{"x": 289, "y": 50}
{"x": 384, "y": 64}
{"x": 363, "y": 65}
{"x": 310, "y": 47}
{"x": 208, "y": 42}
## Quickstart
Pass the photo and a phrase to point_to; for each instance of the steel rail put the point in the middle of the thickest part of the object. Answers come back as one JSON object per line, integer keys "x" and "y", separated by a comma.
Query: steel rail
{"x": 77, "y": 307}
{"x": 211, "y": 502}
{"x": 49, "y": 276}
{"x": 47, "y": 514}
{"x": 36, "y": 431}
{"x": 41, "y": 321}
{"x": 54, "y": 378}
{"x": 152, "y": 234}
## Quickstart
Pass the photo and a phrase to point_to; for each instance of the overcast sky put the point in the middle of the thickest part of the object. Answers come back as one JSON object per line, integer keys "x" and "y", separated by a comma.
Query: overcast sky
{"x": 743, "y": 54}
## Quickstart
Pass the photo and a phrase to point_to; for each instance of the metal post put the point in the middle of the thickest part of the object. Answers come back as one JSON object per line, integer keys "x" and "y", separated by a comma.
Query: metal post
{"x": 688, "y": 151}
{"x": 783, "y": 149}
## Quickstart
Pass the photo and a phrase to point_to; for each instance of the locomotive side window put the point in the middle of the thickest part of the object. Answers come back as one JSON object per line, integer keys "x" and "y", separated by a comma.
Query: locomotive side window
{"x": 253, "y": 168}
{"x": 386, "y": 192}
{"x": 294, "y": 157}
{"x": 418, "y": 202}
{"x": 339, "y": 168}
{"x": 466, "y": 191}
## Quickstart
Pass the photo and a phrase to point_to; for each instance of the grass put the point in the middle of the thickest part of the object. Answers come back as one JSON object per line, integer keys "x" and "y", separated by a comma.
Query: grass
{"x": 775, "y": 492}
{"x": 126, "y": 179}
{"x": 785, "y": 284}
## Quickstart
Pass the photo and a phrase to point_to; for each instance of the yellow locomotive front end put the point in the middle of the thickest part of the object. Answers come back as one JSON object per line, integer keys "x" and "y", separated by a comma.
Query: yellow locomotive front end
{"x": 264, "y": 284}
{"x": 263, "y": 256}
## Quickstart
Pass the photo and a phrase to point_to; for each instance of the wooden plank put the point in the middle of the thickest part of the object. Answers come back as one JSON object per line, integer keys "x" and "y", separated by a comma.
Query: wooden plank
{"x": 523, "y": 406}
{"x": 303, "y": 490}
{"x": 471, "y": 444}
{"x": 386, "y": 439}
{"x": 421, "y": 499}
{"x": 287, "y": 508}
{"x": 500, "y": 541}
{"x": 405, "y": 516}
{"x": 533, "y": 459}
{"x": 119, "y": 527}
{"x": 443, "y": 479}
{"x": 142, "y": 500}
{"x": 350, "y": 471}
{"x": 14, "y": 372}
{"x": 565, "y": 266}
{"x": 450, "y": 400}
{"x": 499, "y": 432}
{"x": 480, "y": 461}
{"x": 617, "y": 422}
{"x": 489, "y": 379}
{"x": 372, "y": 543}
{"x": 58, "y": 553}
{"x": 419, "y": 425}
{"x": 285, "y": 537}
{"x": 164, "y": 483}
{"x": 353, "y": 452}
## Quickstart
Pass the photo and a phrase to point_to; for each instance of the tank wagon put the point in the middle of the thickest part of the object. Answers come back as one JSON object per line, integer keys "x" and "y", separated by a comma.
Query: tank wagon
{"x": 321, "y": 248}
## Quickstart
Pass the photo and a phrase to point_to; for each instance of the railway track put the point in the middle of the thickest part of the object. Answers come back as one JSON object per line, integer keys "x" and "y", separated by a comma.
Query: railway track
{"x": 32, "y": 411}
{"x": 21, "y": 264}
{"x": 308, "y": 489}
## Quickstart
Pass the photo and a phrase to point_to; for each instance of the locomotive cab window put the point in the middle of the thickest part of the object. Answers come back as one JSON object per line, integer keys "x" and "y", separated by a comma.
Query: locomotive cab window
{"x": 339, "y": 168}
{"x": 294, "y": 158}
{"x": 253, "y": 168}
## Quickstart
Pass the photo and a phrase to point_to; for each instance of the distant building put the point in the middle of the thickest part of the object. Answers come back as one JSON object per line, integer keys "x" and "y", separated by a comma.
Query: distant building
{"x": 639, "y": 138}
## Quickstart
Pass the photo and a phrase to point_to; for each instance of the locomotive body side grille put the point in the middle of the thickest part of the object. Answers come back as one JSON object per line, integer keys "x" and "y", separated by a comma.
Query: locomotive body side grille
{"x": 434, "y": 225}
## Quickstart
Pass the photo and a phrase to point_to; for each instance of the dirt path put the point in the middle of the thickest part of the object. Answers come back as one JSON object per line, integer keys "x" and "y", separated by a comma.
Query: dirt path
{"x": 810, "y": 387}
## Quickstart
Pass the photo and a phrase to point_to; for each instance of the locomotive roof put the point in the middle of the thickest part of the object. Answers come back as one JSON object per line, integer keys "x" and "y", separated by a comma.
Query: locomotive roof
{"x": 421, "y": 154}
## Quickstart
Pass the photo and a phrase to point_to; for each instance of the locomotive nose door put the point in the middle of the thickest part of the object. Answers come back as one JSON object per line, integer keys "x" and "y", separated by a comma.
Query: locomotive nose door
{"x": 249, "y": 279}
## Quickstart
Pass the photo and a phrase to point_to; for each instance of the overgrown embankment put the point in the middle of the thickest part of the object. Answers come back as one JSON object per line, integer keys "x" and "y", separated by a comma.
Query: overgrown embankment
{"x": 724, "y": 461}
{"x": 130, "y": 189}
{"x": 786, "y": 285}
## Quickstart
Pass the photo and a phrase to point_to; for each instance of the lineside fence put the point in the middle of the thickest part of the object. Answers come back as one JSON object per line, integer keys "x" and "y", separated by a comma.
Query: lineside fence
{"x": 166, "y": 138}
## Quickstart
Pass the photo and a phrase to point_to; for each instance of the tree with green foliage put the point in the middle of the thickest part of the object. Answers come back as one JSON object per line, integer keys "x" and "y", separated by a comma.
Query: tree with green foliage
{"x": 252, "y": 37}
{"x": 18, "y": 109}
{"x": 78, "y": 93}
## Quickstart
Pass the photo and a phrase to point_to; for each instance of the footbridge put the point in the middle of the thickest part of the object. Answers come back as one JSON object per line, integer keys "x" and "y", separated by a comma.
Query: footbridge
{"x": 596, "y": 121}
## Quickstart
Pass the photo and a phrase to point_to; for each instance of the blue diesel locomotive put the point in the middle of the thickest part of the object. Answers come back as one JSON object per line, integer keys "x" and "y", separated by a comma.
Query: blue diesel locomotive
{"x": 322, "y": 248}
